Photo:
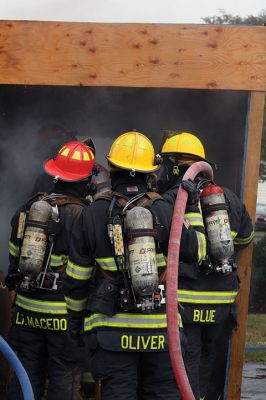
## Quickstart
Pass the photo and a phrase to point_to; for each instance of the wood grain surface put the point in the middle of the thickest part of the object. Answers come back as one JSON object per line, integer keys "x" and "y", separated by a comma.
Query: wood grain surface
{"x": 255, "y": 120}
{"x": 135, "y": 55}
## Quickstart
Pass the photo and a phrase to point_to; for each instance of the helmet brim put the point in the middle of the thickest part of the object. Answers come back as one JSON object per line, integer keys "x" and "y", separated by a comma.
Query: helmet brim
{"x": 189, "y": 156}
{"x": 51, "y": 169}
{"x": 129, "y": 168}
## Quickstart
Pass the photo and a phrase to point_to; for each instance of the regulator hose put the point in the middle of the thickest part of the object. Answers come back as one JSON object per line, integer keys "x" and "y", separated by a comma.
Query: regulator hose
{"x": 18, "y": 368}
{"x": 172, "y": 280}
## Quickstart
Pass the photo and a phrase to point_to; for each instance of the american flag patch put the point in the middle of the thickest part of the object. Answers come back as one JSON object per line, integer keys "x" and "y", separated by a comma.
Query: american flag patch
{"x": 132, "y": 189}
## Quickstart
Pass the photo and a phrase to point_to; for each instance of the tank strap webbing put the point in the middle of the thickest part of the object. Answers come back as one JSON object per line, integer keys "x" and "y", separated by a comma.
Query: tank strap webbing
{"x": 134, "y": 233}
{"x": 146, "y": 200}
{"x": 55, "y": 199}
{"x": 67, "y": 200}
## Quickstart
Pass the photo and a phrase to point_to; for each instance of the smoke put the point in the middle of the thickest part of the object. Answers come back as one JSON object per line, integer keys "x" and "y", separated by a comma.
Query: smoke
{"x": 217, "y": 118}
{"x": 20, "y": 167}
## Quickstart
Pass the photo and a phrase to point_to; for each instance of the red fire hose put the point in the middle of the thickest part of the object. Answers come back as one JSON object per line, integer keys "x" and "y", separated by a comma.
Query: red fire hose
{"x": 172, "y": 281}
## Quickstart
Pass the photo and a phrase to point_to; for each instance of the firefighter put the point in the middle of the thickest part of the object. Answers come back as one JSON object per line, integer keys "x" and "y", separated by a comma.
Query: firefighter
{"x": 39, "y": 248}
{"x": 207, "y": 291}
{"x": 120, "y": 242}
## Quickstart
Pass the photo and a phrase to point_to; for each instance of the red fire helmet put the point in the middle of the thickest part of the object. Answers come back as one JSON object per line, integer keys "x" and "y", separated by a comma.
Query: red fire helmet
{"x": 74, "y": 162}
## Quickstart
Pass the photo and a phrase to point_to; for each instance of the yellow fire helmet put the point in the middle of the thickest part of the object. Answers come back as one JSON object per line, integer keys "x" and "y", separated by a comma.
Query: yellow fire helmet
{"x": 133, "y": 151}
{"x": 184, "y": 143}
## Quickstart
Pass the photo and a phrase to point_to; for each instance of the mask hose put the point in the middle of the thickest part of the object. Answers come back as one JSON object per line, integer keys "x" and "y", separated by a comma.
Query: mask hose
{"x": 172, "y": 280}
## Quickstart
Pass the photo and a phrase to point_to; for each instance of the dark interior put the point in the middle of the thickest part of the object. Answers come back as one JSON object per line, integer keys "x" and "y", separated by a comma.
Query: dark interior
{"x": 218, "y": 118}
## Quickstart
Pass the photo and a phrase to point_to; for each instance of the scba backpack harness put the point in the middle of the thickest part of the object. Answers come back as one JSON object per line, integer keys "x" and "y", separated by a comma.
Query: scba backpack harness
{"x": 132, "y": 233}
{"x": 39, "y": 224}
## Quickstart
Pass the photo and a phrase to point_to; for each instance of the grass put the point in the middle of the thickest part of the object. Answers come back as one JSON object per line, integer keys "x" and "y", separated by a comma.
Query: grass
{"x": 256, "y": 336}
{"x": 255, "y": 355}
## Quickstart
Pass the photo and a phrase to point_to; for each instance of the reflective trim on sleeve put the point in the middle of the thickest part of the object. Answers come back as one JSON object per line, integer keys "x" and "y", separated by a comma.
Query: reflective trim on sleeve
{"x": 160, "y": 260}
{"x": 180, "y": 322}
{"x": 47, "y": 307}
{"x": 202, "y": 246}
{"x": 76, "y": 305}
{"x": 78, "y": 272}
{"x": 107, "y": 264}
{"x": 58, "y": 260}
{"x": 13, "y": 249}
{"x": 164, "y": 265}
{"x": 124, "y": 320}
{"x": 190, "y": 296}
{"x": 195, "y": 219}
{"x": 86, "y": 377}
{"x": 243, "y": 241}
{"x": 233, "y": 233}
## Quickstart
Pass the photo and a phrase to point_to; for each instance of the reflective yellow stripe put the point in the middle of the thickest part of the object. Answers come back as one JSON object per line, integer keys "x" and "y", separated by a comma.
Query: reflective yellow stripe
{"x": 76, "y": 305}
{"x": 195, "y": 219}
{"x": 86, "y": 377}
{"x": 160, "y": 260}
{"x": 13, "y": 249}
{"x": 233, "y": 233}
{"x": 243, "y": 241}
{"x": 58, "y": 260}
{"x": 78, "y": 272}
{"x": 107, "y": 264}
{"x": 190, "y": 296}
{"x": 155, "y": 321}
{"x": 202, "y": 246}
{"x": 47, "y": 307}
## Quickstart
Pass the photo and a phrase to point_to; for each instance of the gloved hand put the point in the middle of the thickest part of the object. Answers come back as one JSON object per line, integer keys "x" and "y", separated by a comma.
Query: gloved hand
{"x": 192, "y": 191}
{"x": 74, "y": 344}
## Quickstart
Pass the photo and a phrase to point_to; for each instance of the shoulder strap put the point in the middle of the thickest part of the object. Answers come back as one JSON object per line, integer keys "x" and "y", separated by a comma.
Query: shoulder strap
{"x": 148, "y": 199}
{"x": 103, "y": 196}
{"x": 67, "y": 200}
{"x": 61, "y": 200}
{"x": 121, "y": 200}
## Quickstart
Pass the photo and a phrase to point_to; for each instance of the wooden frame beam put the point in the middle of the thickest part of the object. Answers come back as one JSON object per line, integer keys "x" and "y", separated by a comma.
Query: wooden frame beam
{"x": 135, "y": 55}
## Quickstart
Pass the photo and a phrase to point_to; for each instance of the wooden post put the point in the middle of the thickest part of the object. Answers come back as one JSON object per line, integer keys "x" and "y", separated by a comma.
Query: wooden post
{"x": 255, "y": 120}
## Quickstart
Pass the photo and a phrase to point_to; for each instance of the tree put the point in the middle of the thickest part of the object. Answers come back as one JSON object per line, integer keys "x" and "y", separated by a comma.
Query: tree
{"x": 230, "y": 19}
{"x": 260, "y": 19}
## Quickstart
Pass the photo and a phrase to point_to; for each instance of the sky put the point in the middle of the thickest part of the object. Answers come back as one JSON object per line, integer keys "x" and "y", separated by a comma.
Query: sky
{"x": 164, "y": 11}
